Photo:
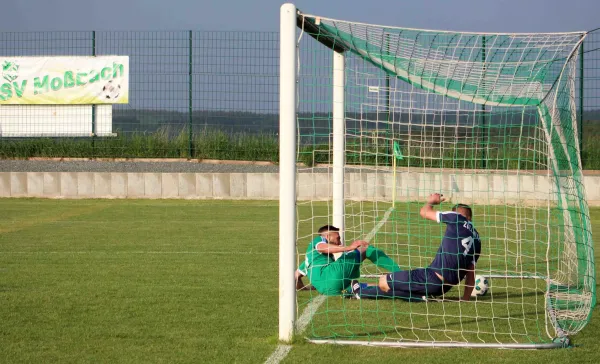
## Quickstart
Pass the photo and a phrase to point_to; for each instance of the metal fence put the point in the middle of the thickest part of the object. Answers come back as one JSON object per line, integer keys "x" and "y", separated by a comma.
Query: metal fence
{"x": 589, "y": 104}
{"x": 192, "y": 94}
{"x": 202, "y": 94}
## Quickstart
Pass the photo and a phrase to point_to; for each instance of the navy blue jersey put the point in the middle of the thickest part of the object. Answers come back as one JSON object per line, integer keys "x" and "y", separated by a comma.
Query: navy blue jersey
{"x": 460, "y": 247}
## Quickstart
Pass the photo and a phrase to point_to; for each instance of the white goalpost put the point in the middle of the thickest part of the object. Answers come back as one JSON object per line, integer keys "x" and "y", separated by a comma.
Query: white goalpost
{"x": 287, "y": 173}
{"x": 375, "y": 118}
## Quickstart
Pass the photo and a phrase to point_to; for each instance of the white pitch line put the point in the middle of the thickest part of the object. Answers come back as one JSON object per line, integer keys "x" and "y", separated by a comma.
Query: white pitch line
{"x": 283, "y": 350}
{"x": 279, "y": 353}
{"x": 371, "y": 235}
{"x": 308, "y": 313}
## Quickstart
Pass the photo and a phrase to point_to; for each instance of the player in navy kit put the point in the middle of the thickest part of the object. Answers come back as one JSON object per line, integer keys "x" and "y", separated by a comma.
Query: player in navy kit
{"x": 454, "y": 260}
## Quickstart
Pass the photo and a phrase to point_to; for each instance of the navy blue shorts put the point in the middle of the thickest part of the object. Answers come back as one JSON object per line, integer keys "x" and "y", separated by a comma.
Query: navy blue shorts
{"x": 415, "y": 284}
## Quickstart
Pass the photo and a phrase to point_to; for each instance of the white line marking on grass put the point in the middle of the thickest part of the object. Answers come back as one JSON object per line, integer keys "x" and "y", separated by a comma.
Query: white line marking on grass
{"x": 283, "y": 350}
{"x": 386, "y": 216}
{"x": 308, "y": 313}
{"x": 279, "y": 353}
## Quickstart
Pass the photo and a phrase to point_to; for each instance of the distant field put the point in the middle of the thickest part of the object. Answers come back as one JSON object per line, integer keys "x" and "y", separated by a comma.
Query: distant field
{"x": 505, "y": 150}
{"x": 140, "y": 281}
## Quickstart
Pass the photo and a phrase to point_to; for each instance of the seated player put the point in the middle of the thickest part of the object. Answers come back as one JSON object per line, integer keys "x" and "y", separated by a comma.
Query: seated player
{"x": 333, "y": 277}
{"x": 454, "y": 260}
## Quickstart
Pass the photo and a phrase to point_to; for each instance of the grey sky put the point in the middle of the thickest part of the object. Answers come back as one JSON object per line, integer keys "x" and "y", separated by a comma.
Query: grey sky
{"x": 263, "y": 15}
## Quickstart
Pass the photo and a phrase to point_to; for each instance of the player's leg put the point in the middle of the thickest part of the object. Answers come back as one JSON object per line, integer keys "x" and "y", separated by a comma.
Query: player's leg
{"x": 363, "y": 290}
{"x": 348, "y": 265}
{"x": 425, "y": 283}
{"x": 337, "y": 276}
{"x": 397, "y": 285}
{"x": 435, "y": 286}
{"x": 407, "y": 285}
{"x": 381, "y": 260}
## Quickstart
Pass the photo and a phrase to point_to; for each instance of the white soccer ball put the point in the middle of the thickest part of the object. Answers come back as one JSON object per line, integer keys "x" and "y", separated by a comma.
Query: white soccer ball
{"x": 111, "y": 90}
{"x": 482, "y": 284}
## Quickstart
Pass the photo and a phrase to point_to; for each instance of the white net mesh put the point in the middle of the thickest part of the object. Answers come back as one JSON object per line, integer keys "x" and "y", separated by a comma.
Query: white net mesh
{"x": 485, "y": 119}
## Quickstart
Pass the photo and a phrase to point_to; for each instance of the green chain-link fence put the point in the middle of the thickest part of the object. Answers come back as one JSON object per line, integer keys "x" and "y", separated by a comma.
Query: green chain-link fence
{"x": 590, "y": 118}
{"x": 192, "y": 94}
{"x": 209, "y": 95}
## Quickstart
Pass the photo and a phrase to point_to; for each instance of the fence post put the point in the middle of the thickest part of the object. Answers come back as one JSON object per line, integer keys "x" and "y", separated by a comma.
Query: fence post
{"x": 93, "y": 106}
{"x": 190, "y": 82}
{"x": 580, "y": 131}
{"x": 483, "y": 118}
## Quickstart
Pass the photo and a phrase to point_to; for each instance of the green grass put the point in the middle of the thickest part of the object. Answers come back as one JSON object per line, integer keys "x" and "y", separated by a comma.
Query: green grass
{"x": 164, "y": 143}
{"x": 132, "y": 281}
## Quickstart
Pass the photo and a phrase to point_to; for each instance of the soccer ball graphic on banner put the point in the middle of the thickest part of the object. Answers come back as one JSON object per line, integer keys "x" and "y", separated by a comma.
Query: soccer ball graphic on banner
{"x": 10, "y": 70}
{"x": 111, "y": 90}
{"x": 482, "y": 284}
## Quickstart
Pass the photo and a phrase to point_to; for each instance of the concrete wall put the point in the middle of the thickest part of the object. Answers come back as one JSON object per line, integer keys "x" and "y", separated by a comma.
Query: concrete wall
{"x": 492, "y": 188}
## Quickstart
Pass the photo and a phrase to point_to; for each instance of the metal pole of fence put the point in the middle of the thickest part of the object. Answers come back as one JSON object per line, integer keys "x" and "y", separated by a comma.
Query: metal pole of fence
{"x": 190, "y": 82}
{"x": 483, "y": 118}
{"x": 94, "y": 106}
{"x": 580, "y": 131}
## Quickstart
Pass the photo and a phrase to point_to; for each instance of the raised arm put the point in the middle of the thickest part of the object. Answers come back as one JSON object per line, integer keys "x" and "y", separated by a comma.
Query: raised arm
{"x": 427, "y": 211}
{"x": 469, "y": 282}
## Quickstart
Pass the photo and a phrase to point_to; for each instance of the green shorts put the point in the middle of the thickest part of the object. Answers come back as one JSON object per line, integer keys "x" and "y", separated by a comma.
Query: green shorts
{"x": 335, "y": 277}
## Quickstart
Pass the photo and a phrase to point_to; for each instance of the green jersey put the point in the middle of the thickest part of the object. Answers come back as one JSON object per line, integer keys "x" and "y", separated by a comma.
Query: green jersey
{"x": 332, "y": 277}
{"x": 327, "y": 275}
{"x": 314, "y": 259}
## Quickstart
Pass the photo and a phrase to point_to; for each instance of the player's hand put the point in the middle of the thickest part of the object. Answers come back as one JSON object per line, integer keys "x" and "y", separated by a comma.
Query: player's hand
{"x": 358, "y": 243}
{"x": 435, "y": 199}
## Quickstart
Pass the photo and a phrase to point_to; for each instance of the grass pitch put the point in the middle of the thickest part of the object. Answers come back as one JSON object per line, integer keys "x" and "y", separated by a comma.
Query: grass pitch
{"x": 128, "y": 281}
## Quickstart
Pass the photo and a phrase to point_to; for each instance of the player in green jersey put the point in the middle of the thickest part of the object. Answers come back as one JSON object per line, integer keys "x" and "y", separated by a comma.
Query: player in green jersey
{"x": 330, "y": 276}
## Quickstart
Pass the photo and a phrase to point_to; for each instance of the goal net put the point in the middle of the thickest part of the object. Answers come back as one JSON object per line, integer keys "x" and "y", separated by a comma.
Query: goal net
{"x": 385, "y": 116}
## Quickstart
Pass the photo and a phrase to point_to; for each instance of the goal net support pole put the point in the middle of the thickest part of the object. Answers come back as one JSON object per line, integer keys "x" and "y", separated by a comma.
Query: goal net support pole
{"x": 339, "y": 138}
{"x": 287, "y": 172}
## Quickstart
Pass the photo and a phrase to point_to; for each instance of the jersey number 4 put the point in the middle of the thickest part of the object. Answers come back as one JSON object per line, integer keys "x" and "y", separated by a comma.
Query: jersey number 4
{"x": 467, "y": 243}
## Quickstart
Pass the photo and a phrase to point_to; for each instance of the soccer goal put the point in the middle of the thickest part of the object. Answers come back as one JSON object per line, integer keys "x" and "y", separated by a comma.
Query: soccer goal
{"x": 373, "y": 119}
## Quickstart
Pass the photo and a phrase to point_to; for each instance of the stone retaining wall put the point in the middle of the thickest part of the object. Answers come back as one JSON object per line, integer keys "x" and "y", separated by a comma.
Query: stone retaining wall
{"x": 493, "y": 188}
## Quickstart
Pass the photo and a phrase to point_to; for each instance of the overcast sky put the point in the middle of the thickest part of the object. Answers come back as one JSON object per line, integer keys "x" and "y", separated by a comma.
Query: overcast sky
{"x": 465, "y": 15}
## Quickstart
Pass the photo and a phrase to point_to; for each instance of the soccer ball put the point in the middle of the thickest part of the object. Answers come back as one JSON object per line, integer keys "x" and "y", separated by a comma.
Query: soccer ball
{"x": 482, "y": 284}
{"x": 111, "y": 90}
